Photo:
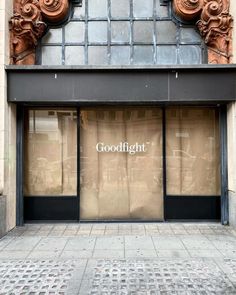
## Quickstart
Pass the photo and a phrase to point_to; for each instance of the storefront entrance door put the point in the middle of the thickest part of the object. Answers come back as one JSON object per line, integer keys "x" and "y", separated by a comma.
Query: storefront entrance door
{"x": 121, "y": 175}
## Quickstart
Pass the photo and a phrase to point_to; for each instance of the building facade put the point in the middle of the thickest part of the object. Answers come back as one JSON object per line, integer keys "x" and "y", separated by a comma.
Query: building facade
{"x": 117, "y": 111}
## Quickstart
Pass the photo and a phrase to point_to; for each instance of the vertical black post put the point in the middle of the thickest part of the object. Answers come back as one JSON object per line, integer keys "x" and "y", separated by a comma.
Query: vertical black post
{"x": 78, "y": 162}
{"x": 164, "y": 158}
{"x": 19, "y": 166}
{"x": 224, "y": 166}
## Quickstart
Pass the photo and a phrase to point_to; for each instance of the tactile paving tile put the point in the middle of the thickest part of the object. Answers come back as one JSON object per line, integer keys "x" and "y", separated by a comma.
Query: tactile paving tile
{"x": 229, "y": 268}
{"x": 162, "y": 277}
{"x": 36, "y": 277}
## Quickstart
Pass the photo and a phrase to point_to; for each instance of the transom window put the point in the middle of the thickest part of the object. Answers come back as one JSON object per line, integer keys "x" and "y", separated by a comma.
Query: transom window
{"x": 124, "y": 32}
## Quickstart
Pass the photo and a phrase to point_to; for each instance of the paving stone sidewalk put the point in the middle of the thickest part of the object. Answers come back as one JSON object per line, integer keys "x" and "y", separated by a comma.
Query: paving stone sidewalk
{"x": 115, "y": 259}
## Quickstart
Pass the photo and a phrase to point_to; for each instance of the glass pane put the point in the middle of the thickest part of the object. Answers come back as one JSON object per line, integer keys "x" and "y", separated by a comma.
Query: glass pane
{"x": 143, "y": 31}
{"x": 120, "y": 31}
{"x": 74, "y": 55}
{"x": 53, "y": 36}
{"x": 120, "y": 8}
{"x": 166, "y": 55}
{"x": 161, "y": 10}
{"x": 121, "y": 163}
{"x": 120, "y": 55}
{"x": 79, "y": 12}
{"x": 166, "y": 31}
{"x": 143, "y": 8}
{"x": 51, "y": 153}
{"x": 190, "y": 54}
{"x": 189, "y": 35}
{"x": 97, "y": 8}
{"x": 193, "y": 151}
{"x": 74, "y": 32}
{"x": 143, "y": 55}
{"x": 97, "y": 31}
{"x": 51, "y": 55}
{"x": 97, "y": 55}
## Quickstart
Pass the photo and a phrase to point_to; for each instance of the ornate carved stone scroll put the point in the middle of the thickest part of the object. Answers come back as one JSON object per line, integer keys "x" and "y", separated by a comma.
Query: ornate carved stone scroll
{"x": 28, "y": 25}
{"x": 214, "y": 23}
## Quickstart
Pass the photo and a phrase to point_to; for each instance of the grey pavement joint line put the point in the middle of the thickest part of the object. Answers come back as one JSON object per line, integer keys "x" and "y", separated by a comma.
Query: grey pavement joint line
{"x": 32, "y": 250}
{"x": 64, "y": 247}
{"x": 82, "y": 277}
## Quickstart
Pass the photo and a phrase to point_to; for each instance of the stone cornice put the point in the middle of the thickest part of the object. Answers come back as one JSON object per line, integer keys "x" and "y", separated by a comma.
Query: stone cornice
{"x": 214, "y": 23}
{"x": 29, "y": 23}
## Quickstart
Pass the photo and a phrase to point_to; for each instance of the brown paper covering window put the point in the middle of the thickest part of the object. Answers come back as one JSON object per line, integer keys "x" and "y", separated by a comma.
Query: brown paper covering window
{"x": 116, "y": 184}
{"x": 193, "y": 151}
{"x": 51, "y": 153}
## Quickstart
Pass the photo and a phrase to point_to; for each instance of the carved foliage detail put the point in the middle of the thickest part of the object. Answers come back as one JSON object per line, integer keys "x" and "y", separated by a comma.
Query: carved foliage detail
{"x": 28, "y": 25}
{"x": 214, "y": 23}
{"x": 215, "y": 26}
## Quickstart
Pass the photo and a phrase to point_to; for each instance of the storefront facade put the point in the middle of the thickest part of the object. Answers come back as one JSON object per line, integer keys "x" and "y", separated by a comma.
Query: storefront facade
{"x": 121, "y": 119}
{"x": 121, "y": 158}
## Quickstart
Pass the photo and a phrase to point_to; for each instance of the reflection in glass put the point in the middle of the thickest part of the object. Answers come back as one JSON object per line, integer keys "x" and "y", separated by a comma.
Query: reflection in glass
{"x": 97, "y": 8}
{"x": 189, "y": 35}
{"x": 53, "y": 36}
{"x": 143, "y": 8}
{"x": 166, "y": 55}
{"x": 74, "y": 55}
{"x": 120, "y": 55}
{"x": 143, "y": 55}
{"x": 189, "y": 54}
{"x": 97, "y": 31}
{"x": 74, "y": 32}
{"x": 166, "y": 32}
{"x": 51, "y": 153}
{"x": 161, "y": 10}
{"x": 97, "y": 55}
{"x": 120, "y": 31}
{"x": 143, "y": 31}
{"x": 193, "y": 151}
{"x": 120, "y": 8}
{"x": 119, "y": 184}
{"x": 51, "y": 55}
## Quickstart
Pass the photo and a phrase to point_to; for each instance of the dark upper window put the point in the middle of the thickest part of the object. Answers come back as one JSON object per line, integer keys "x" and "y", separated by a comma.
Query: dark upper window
{"x": 121, "y": 32}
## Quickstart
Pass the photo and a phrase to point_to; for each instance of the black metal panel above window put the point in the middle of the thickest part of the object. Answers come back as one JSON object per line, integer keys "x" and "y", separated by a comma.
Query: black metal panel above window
{"x": 162, "y": 84}
{"x": 124, "y": 32}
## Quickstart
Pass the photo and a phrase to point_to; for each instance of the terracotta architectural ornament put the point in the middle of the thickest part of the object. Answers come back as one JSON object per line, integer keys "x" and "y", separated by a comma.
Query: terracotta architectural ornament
{"x": 30, "y": 19}
{"x": 214, "y": 23}
{"x": 28, "y": 25}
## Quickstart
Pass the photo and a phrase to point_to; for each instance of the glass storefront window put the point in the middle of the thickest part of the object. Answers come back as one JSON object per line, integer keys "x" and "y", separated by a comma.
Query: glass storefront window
{"x": 50, "y": 152}
{"x": 192, "y": 151}
{"x": 121, "y": 163}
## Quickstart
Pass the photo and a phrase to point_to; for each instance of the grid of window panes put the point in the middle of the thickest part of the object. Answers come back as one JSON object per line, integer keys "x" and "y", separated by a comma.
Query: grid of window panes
{"x": 122, "y": 32}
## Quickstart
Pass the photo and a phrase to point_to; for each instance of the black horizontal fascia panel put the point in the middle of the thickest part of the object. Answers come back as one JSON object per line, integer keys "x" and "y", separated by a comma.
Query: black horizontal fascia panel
{"x": 86, "y": 86}
{"x": 203, "y": 85}
{"x": 121, "y": 84}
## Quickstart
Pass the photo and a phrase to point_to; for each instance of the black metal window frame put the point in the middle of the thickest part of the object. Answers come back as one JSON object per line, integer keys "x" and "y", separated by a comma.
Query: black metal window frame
{"x": 21, "y": 108}
{"x": 86, "y": 19}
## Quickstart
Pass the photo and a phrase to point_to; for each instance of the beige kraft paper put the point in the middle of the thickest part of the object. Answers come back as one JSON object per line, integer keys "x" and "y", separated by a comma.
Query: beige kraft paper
{"x": 120, "y": 185}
